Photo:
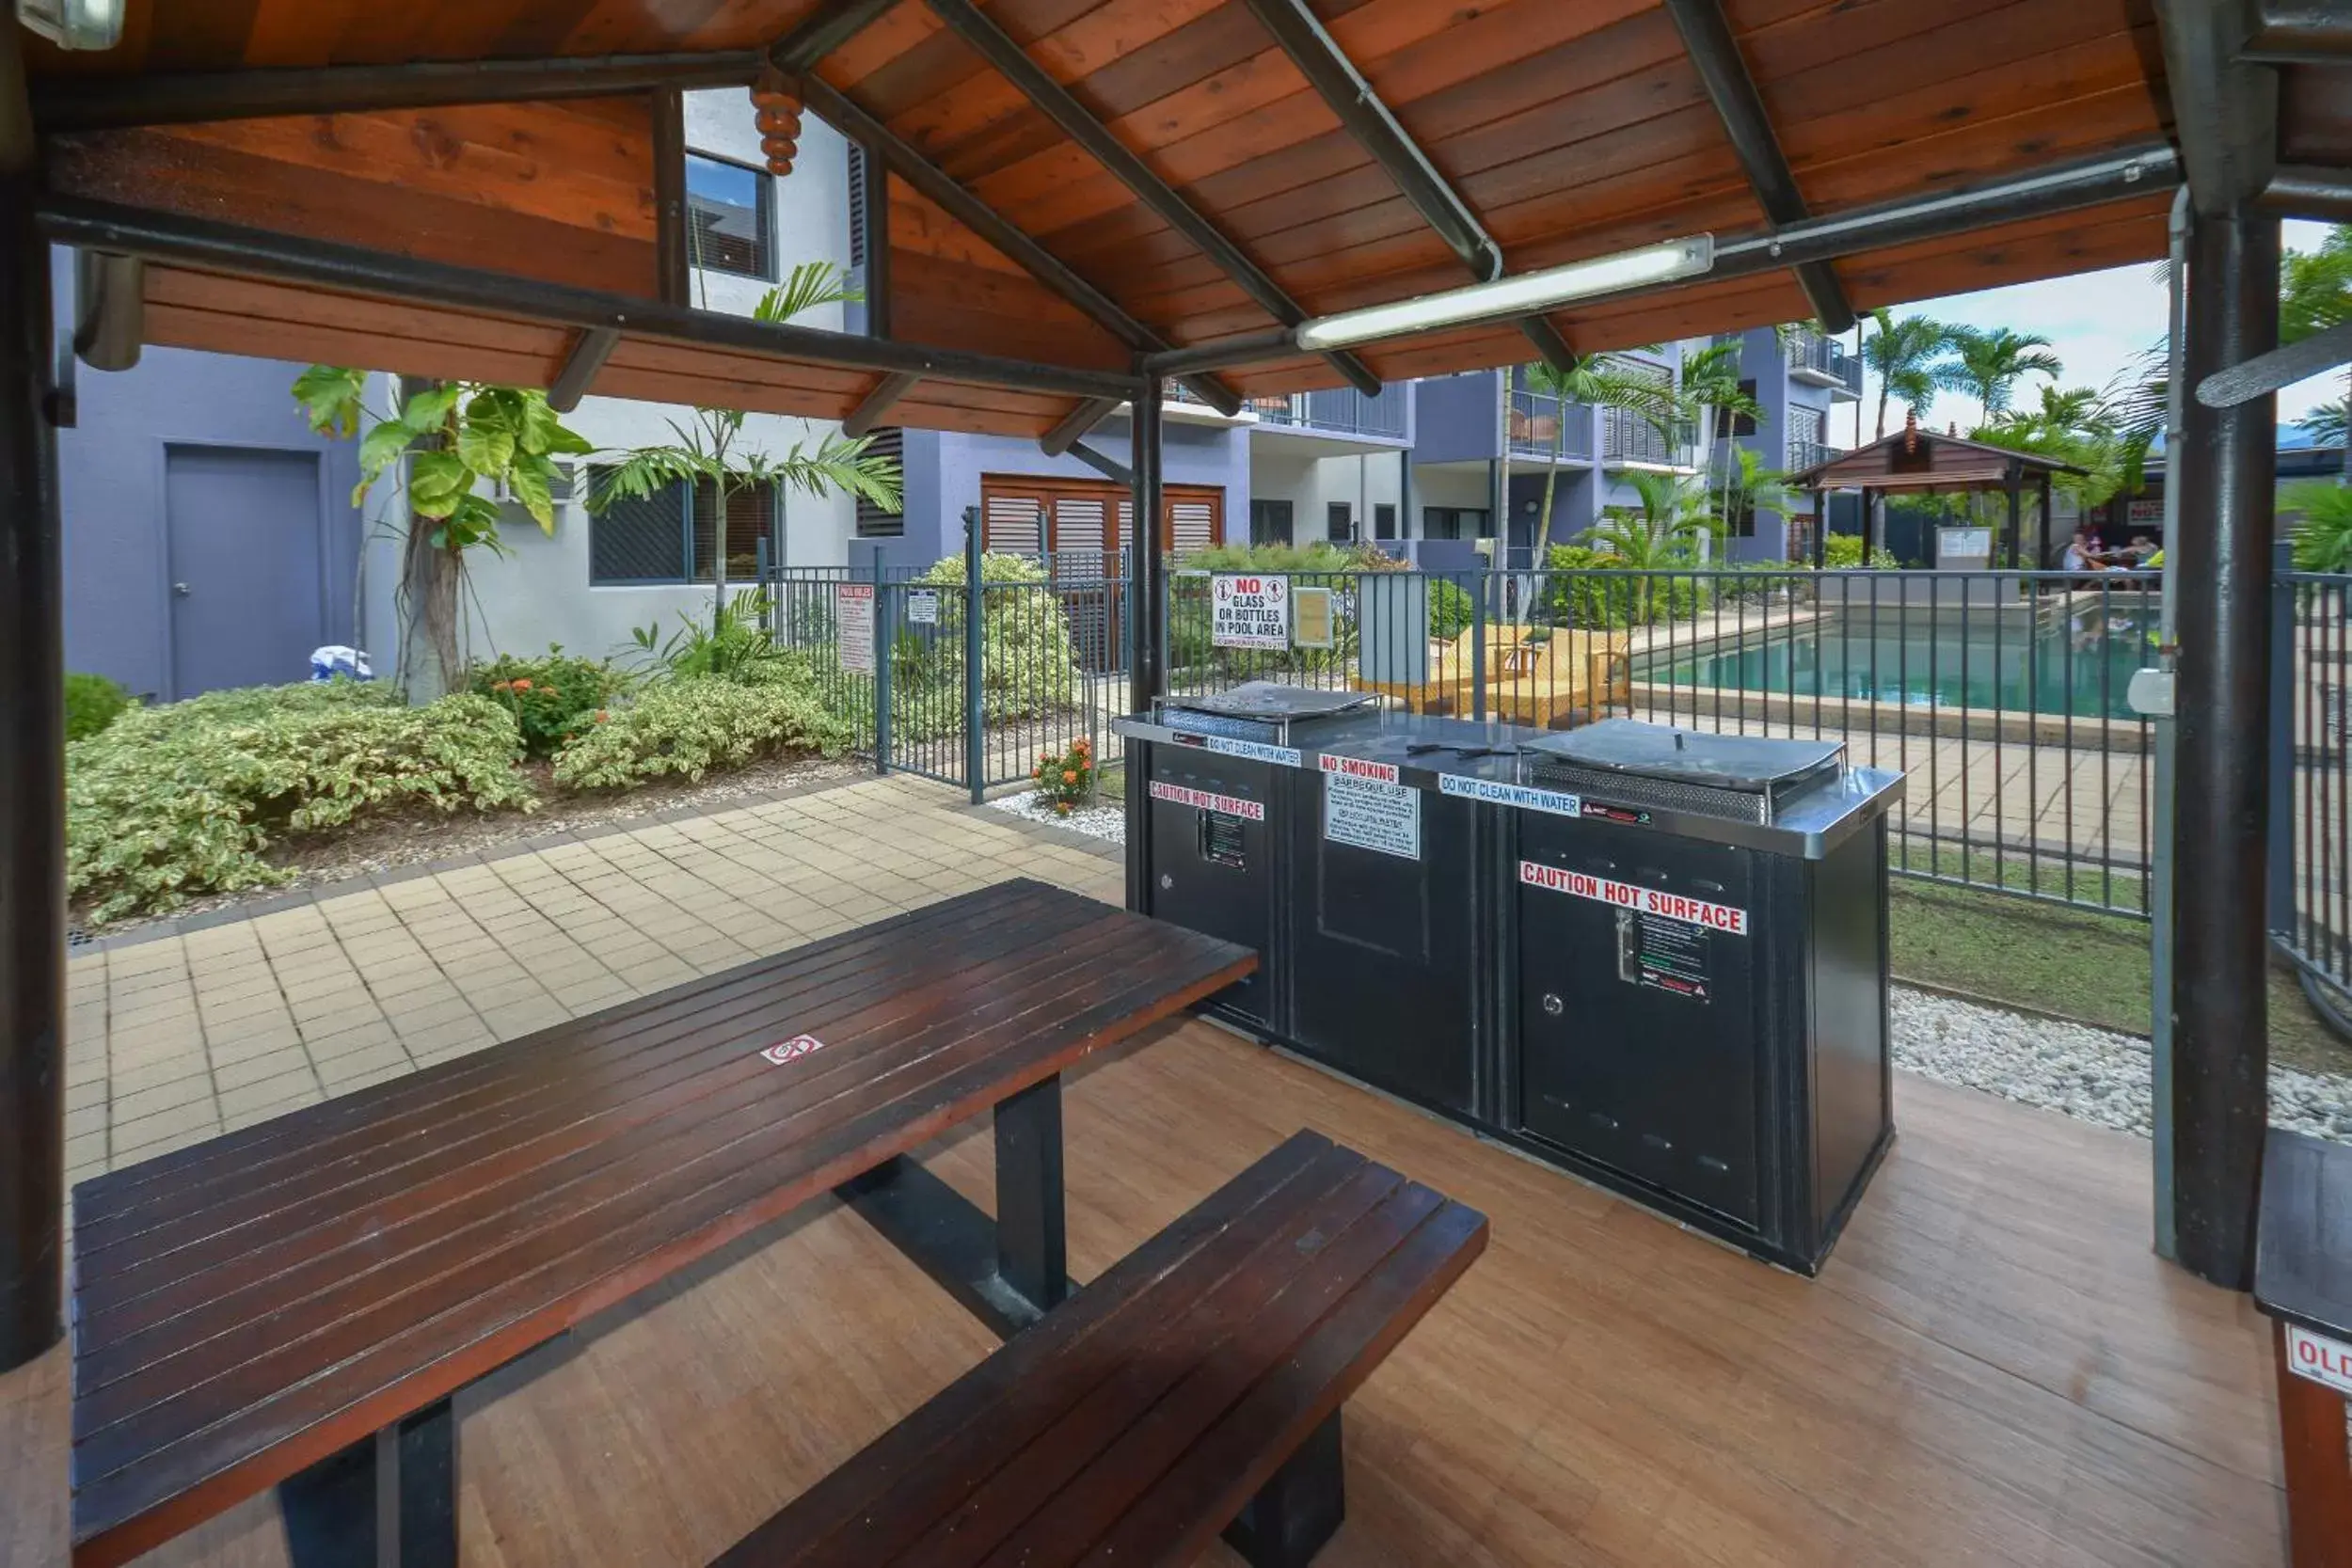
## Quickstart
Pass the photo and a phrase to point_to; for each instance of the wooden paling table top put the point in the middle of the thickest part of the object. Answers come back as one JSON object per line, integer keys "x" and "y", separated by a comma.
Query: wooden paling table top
{"x": 248, "y": 1307}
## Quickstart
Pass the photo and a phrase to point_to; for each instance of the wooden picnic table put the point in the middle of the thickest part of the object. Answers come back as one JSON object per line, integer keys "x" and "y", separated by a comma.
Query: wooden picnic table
{"x": 297, "y": 1303}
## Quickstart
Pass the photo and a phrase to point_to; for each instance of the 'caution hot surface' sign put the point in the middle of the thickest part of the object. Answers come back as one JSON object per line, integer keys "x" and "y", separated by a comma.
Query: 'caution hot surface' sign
{"x": 1644, "y": 901}
{"x": 1249, "y": 611}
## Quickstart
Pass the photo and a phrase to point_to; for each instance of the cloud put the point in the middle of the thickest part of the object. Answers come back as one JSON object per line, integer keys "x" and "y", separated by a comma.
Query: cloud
{"x": 2098, "y": 324}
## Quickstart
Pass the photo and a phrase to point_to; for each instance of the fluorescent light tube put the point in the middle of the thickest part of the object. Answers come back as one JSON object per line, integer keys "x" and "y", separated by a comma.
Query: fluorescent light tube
{"x": 1523, "y": 294}
{"x": 75, "y": 23}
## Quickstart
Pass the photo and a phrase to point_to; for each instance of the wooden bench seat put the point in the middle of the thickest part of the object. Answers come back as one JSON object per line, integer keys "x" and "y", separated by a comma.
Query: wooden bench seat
{"x": 276, "y": 1301}
{"x": 1193, "y": 1386}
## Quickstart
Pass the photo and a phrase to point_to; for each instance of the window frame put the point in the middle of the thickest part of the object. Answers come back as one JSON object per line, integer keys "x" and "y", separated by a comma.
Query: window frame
{"x": 686, "y": 554}
{"x": 765, "y": 248}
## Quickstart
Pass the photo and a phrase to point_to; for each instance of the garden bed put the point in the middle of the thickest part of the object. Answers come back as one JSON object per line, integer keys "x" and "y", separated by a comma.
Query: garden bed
{"x": 423, "y": 837}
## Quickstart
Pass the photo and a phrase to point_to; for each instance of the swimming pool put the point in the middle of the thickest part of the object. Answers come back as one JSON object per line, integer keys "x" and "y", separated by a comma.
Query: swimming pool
{"x": 2084, "y": 669}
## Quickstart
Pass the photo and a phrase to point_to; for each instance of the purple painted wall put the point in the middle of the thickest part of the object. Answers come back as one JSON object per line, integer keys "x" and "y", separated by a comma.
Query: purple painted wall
{"x": 118, "y": 619}
{"x": 1456, "y": 417}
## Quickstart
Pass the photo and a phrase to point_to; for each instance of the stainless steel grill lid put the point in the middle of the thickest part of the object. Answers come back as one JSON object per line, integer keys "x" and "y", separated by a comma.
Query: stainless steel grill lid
{"x": 1750, "y": 764}
{"x": 1267, "y": 701}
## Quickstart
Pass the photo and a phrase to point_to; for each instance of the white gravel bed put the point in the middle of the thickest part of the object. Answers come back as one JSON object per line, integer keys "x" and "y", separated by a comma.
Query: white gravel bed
{"x": 1099, "y": 820}
{"x": 2090, "y": 1073}
{"x": 2093, "y": 1074}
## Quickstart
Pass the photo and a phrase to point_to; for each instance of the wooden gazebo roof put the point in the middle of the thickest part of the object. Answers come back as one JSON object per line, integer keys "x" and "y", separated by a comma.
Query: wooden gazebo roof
{"x": 1077, "y": 186}
{"x": 1916, "y": 459}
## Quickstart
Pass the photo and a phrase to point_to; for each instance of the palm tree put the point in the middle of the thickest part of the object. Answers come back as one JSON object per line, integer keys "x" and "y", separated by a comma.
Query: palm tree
{"x": 2315, "y": 293}
{"x": 706, "y": 450}
{"x": 1901, "y": 350}
{"x": 1988, "y": 364}
{"x": 1667, "y": 530}
{"x": 1709, "y": 396}
{"x": 2324, "y": 424}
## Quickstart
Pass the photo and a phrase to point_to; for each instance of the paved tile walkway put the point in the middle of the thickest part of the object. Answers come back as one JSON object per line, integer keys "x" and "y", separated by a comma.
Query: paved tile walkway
{"x": 188, "y": 1034}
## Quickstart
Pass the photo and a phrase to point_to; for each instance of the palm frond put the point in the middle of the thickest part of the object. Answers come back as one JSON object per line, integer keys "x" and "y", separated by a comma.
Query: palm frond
{"x": 808, "y": 287}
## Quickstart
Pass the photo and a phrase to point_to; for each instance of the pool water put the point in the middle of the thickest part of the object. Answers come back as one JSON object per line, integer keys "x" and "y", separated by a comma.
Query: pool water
{"x": 2086, "y": 672}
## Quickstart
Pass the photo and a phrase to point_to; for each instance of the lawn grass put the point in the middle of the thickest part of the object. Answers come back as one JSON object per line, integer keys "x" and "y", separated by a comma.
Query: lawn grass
{"x": 2073, "y": 962}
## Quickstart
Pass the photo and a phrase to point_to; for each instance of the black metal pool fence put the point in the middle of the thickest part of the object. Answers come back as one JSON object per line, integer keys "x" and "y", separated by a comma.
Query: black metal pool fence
{"x": 2003, "y": 695}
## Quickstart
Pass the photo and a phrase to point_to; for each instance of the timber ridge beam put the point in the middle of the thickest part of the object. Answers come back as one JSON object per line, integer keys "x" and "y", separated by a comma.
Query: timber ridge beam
{"x": 176, "y": 239}
{"x": 2043, "y": 193}
{"x": 993, "y": 44}
{"x": 1377, "y": 130}
{"x": 1706, "y": 37}
{"x": 908, "y": 161}
{"x": 113, "y": 102}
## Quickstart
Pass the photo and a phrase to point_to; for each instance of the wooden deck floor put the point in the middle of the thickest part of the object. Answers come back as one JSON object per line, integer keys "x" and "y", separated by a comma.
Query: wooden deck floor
{"x": 1992, "y": 1369}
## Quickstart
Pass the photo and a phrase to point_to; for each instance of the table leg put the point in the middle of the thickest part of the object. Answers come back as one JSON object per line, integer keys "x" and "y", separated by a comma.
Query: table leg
{"x": 1031, "y": 1248}
{"x": 387, "y": 1503}
{"x": 2318, "y": 1467}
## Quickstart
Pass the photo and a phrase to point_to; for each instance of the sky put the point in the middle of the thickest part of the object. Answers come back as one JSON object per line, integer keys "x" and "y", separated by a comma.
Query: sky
{"x": 2097, "y": 323}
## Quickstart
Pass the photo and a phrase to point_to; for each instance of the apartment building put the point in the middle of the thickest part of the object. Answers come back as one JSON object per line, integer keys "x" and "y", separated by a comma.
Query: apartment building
{"x": 1807, "y": 385}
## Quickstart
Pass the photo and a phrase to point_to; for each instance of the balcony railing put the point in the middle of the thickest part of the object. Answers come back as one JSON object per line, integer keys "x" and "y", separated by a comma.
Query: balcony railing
{"x": 1341, "y": 410}
{"x": 1811, "y": 354}
{"x": 1628, "y": 438}
{"x": 1543, "y": 426}
{"x": 1804, "y": 453}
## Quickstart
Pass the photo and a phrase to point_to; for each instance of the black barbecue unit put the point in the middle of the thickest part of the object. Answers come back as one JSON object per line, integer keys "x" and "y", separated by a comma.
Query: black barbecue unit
{"x": 1652, "y": 956}
{"x": 1702, "y": 1002}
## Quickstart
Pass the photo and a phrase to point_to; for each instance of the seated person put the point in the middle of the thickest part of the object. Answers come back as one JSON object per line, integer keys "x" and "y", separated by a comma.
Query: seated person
{"x": 2082, "y": 554}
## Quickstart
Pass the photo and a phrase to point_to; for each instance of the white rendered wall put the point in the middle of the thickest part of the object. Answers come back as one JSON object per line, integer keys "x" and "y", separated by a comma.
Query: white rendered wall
{"x": 1314, "y": 484}
{"x": 540, "y": 593}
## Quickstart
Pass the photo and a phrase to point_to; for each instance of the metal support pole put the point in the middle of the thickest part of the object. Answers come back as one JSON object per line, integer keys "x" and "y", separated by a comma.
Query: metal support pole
{"x": 32, "y": 764}
{"x": 2016, "y": 516}
{"x": 975, "y": 656}
{"x": 1147, "y": 629}
{"x": 2220, "y": 1037}
{"x": 1478, "y": 640}
{"x": 886, "y": 639}
{"x": 1405, "y": 498}
{"x": 2282, "y": 824}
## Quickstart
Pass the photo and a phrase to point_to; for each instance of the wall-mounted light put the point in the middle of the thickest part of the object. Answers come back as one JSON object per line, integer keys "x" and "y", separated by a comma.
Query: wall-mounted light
{"x": 1505, "y": 298}
{"x": 75, "y": 23}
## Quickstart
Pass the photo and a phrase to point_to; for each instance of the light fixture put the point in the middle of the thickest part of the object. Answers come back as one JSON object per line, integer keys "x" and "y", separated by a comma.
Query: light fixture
{"x": 75, "y": 23}
{"x": 1522, "y": 294}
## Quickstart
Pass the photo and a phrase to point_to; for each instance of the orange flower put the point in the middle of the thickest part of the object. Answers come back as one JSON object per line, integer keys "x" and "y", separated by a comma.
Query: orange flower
{"x": 522, "y": 686}
{"x": 1082, "y": 748}
{"x": 504, "y": 685}
{"x": 1062, "y": 806}
{"x": 1068, "y": 777}
{"x": 602, "y": 716}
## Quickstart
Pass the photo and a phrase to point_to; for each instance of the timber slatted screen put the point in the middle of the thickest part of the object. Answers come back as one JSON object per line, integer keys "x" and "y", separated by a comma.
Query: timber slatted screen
{"x": 1026, "y": 515}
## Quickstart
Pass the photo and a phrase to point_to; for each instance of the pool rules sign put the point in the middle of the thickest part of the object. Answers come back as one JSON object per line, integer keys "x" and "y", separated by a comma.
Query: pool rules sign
{"x": 1249, "y": 611}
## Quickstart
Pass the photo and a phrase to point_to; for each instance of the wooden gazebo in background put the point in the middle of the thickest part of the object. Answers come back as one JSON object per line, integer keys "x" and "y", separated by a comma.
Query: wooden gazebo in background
{"x": 1085, "y": 198}
{"x": 1916, "y": 462}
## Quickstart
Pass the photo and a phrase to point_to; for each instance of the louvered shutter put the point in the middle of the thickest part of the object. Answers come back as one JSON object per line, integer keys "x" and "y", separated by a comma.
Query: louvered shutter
{"x": 1013, "y": 523}
{"x": 1191, "y": 526}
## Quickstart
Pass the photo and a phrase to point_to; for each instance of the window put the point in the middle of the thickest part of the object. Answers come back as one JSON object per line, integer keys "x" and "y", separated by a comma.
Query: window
{"x": 1269, "y": 522}
{"x": 670, "y": 537}
{"x": 1743, "y": 518}
{"x": 1384, "y": 521}
{"x": 750, "y": 524}
{"x": 873, "y": 522}
{"x": 1728, "y": 423}
{"x": 1339, "y": 523}
{"x": 731, "y": 218}
{"x": 859, "y": 198}
{"x": 1453, "y": 522}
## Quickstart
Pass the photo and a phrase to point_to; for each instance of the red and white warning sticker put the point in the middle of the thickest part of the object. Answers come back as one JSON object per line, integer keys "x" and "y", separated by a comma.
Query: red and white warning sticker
{"x": 1356, "y": 768}
{"x": 1231, "y": 805}
{"x": 1646, "y": 900}
{"x": 793, "y": 1048}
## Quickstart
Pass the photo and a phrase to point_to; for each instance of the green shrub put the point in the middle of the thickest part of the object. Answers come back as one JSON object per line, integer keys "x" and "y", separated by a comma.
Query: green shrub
{"x": 91, "y": 703}
{"x": 1842, "y": 551}
{"x": 690, "y": 726}
{"x": 1029, "y": 665}
{"x": 1450, "y": 609}
{"x": 172, "y": 801}
{"x": 736, "y": 644}
{"x": 1278, "y": 558}
{"x": 1602, "y": 593}
{"x": 551, "y": 697}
